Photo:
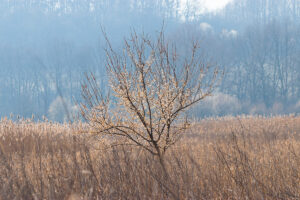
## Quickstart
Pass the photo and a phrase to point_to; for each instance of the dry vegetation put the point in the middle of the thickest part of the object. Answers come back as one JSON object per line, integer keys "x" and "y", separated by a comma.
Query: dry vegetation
{"x": 226, "y": 158}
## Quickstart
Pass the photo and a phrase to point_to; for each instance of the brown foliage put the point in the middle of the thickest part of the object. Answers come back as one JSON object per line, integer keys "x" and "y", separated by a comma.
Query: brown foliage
{"x": 225, "y": 158}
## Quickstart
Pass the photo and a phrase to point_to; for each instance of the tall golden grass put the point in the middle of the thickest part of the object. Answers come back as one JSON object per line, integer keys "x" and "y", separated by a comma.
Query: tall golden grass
{"x": 220, "y": 158}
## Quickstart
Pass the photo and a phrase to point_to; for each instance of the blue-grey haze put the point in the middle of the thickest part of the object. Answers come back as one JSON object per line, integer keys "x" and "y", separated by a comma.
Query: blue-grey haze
{"x": 46, "y": 46}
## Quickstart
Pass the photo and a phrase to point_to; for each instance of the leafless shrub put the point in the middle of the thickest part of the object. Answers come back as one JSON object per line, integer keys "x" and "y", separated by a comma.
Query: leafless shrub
{"x": 258, "y": 109}
{"x": 61, "y": 109}
{"x": 151, "y": 89}
{"x": 219, "y": 104}
{"x": 297, "y": 107}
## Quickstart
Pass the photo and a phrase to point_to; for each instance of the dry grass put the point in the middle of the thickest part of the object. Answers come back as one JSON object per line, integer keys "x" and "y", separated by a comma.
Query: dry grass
{"x": 226, "y": 158}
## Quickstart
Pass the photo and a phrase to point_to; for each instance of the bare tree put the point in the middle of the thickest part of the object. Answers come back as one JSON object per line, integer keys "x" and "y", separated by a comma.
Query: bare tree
{"x": 151, "y": 88}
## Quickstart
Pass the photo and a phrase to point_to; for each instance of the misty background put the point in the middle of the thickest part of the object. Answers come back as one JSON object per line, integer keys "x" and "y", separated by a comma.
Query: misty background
{"x": 46, "y": 45}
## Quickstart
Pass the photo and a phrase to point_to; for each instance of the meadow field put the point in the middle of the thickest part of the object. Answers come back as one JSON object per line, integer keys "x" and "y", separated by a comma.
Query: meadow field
{"x": 219, "y": 158}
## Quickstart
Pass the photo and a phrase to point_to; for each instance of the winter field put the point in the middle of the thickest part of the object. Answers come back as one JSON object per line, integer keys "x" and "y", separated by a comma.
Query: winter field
{"x": 149, "y": 99}
{"x": 219, "y": 158}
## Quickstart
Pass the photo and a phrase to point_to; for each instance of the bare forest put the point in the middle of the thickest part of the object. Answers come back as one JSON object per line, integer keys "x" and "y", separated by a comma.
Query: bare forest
{"x": 47, "y": 46}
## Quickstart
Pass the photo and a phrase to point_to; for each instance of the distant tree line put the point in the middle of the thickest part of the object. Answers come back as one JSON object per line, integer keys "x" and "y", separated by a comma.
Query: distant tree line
{"x": 46, "y": 46}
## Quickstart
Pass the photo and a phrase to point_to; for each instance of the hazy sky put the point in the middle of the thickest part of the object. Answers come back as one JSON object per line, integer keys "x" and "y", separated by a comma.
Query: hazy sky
{"x": 216, "y": 4}
{"x": 210, "y": 5}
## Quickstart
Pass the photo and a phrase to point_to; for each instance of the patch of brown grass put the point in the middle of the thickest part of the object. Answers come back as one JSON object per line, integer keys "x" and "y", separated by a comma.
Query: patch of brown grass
{"x": 224, "y": 158}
